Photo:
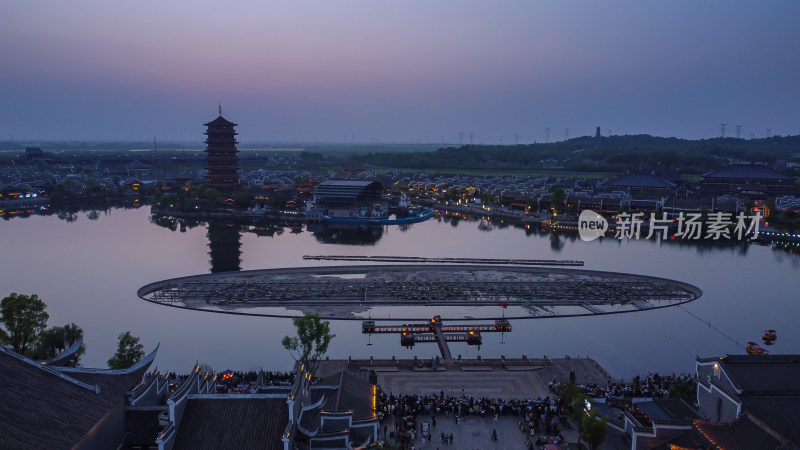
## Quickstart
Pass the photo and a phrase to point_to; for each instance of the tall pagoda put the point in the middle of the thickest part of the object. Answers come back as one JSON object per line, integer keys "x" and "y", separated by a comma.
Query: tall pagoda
{"x": 222, "y": 163}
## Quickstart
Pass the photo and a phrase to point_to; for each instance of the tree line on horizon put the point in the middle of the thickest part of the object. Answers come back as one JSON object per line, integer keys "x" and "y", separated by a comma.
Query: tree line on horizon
{"x": 619, "y": 154}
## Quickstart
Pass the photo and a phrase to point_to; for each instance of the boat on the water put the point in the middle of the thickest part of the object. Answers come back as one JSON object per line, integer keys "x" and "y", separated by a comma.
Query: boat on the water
{"x": 421, "y": 216}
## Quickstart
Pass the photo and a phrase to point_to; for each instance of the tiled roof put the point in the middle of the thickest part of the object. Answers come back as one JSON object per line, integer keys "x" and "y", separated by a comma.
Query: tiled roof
{"x": 641, "y": 180}
{"x": 654, "y": 411}
{"x": 43, "y": 408}
{"x": 779, "y": 412}
{"x": 754, "y": 171}
{"x": 770, "y": 386}
{"x": 686, "y": 440}
{"x": 64, "y": 357}
{"x": 344, "y": 189}
{"x": 764, "y": 374}
{"x": 353, "y": 394}
{"x": 742, "y": 433}
{"x": 677, "y": 409}
{"x": 220, "y": 122}
{"x": 232, "y": 422}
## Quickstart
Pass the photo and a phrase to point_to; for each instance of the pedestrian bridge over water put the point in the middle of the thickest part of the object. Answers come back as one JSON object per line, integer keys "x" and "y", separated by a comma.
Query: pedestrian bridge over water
{"x": 418, "y": 291}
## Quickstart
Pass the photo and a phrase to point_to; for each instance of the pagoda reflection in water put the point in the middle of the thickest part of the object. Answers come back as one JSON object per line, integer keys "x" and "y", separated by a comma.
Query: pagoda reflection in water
{"x": 224, "y": 243}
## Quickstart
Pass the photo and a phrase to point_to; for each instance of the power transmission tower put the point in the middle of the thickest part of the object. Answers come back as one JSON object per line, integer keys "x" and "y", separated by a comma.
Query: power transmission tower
{"x": 738, "y": 131}
{"x": 470, "y": 138}
{"x": 566, "y": 134}
{"x": 769, "y": 133}
{"x": 722, "y": 129}
{"x": 460, "y": 138}
{"x": 547, "y": 135}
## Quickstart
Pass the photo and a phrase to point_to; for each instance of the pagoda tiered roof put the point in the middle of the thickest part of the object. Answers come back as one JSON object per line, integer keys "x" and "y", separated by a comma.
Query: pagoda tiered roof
{"x": 220, "y": 122}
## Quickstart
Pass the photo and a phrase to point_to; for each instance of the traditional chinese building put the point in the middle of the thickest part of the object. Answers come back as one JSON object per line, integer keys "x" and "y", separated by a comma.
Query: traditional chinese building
{"x": 222, "y": 163}
{"x": 335, "y": 413}
{"x": 742, "y": 401}
{"x": 754, "y": 180}
{"x": 47, "y": 405}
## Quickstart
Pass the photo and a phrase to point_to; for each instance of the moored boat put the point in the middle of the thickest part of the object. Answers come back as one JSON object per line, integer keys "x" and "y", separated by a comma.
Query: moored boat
{"x": 423, "y": 215}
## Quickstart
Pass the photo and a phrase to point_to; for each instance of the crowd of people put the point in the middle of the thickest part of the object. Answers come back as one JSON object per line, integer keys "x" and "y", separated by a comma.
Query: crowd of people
{"x": 541, "y": 416}
{"x": 237, "y": 382}
{"x": 244, "y": 382}
{"x": 653, "y": 385}
{"x": 232, "y": 382}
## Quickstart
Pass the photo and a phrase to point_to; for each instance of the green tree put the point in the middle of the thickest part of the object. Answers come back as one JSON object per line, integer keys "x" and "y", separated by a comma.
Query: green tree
{"x": 682, "y": 389}
{"x": 277, "y": 200}
{"x": 594, "y": 429}
{"x": 129, "y": 352}
{"x": 23, "y": 317}
{"x": 312, "y": 340}
{"x": 559, "y": 195}
{"x": 54, "y": 340}
{"x": 575, "y": 401}
{"x": 212, "y": 195}
{"x": 242, "y": 198}
{"x": 487, "y": 198}
{"x": 452, "y": 195}
{"x": 567, "y": 391}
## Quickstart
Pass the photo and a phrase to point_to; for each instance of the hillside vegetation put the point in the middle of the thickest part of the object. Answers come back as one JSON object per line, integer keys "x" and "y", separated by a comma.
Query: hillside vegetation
{"x": 594, "y": 154}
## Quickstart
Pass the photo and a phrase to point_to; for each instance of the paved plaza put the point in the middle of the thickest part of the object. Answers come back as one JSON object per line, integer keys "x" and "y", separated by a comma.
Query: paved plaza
{"x": 493, "y": 384}
{"x": 473, "y": 432}
{"x": 493, "y": 381}
{"x": 486, "y": 378}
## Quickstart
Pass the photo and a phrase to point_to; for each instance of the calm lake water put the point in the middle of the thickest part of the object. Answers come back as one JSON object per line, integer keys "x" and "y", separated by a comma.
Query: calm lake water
{"x": 88, "y": 272}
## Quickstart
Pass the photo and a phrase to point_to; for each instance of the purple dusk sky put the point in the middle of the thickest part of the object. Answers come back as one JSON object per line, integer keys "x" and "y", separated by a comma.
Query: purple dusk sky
{"x": 397, "y": 71}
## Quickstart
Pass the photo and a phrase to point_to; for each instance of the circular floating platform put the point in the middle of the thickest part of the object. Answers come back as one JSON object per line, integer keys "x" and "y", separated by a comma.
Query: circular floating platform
{"x": 415, "y": 292}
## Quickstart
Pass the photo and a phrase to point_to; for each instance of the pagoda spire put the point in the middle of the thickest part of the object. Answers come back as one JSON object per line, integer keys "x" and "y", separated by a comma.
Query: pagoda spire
{"x": 220, "y": 108}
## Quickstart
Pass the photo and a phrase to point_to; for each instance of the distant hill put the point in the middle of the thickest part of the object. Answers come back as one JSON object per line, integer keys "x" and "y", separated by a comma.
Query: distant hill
{"x": 607, "y": 154}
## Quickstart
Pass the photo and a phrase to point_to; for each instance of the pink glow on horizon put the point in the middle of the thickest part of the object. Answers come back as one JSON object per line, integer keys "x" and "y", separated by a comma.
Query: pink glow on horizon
{"x": 495, "y": 69}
